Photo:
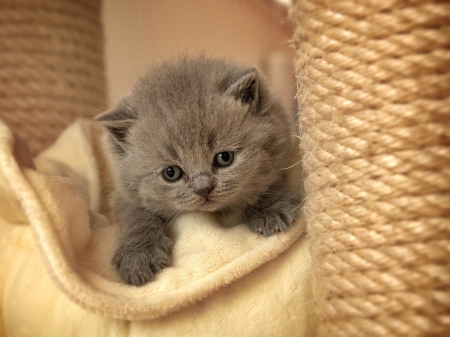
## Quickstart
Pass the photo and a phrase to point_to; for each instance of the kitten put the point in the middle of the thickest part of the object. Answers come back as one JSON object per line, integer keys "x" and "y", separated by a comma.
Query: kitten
{"x": 196, "y": 134}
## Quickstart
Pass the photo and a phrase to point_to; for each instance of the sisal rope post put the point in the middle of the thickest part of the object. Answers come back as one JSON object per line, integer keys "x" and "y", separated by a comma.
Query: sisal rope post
{"x": 51, "y": 66}
{"x": 374, "y": 80}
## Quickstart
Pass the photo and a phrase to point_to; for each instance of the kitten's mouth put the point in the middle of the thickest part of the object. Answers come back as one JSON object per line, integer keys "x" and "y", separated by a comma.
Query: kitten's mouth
{"x": 209, "y": 204}
{"x": 208, "y": 201}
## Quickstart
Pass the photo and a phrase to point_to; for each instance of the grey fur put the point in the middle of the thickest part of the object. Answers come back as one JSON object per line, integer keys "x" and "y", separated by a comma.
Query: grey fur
{"x": 183, "y": 113}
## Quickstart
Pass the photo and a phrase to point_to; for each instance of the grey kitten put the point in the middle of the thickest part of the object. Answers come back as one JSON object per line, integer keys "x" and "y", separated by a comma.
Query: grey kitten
{"x": 196, "y": 134}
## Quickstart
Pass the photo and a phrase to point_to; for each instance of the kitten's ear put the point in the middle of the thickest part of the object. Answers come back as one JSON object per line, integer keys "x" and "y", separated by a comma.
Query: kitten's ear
{"x": 245, "y": 87}
{"x": 118, "y": 121}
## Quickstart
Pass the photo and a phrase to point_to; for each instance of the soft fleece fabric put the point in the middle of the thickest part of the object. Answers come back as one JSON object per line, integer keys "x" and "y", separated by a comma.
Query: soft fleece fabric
{"x": 56, "y": 246}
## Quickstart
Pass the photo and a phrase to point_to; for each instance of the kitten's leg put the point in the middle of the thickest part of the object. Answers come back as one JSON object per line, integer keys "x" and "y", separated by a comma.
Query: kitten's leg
{"x": 274, "y": 211}
{"x": 144, "y": 248}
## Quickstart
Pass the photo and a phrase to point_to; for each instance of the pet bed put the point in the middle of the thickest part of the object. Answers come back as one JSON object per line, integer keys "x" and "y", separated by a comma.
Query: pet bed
{"x": 56, "y": 248}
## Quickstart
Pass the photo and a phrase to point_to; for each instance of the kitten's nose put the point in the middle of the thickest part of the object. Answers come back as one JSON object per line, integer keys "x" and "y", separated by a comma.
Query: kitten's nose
{"x": 204, "y": 192}
{"x": 203, "y": 184}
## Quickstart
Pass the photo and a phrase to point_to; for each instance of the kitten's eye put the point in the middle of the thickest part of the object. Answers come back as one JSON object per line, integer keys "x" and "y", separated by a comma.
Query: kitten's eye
{"x": 224, "y": 158}
{"x": 172, "y": 173}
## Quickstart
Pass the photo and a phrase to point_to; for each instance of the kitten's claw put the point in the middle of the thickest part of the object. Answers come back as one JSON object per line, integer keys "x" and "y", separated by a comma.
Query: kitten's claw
{"x": 142, "y": 278}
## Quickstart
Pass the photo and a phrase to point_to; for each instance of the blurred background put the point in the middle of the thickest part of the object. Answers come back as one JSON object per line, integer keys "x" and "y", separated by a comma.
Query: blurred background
{"x": 141, "y": 32}
{"x": 70, "y": 59}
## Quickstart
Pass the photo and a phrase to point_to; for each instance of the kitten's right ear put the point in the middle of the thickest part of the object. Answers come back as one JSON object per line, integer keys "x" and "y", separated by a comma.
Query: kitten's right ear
{"x": 118, "y": 121}
{"x": 244, "y": 88}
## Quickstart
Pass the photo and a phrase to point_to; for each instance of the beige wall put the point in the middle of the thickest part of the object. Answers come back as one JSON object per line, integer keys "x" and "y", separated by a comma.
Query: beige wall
{"x": 140, "y": 32}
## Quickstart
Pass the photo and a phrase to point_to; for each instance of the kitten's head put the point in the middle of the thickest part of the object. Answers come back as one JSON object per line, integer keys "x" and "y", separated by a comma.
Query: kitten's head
{"x": 197, "y": 134}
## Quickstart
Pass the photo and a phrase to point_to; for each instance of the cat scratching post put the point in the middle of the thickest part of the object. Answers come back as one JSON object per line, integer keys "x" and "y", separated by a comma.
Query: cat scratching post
{"x": 374, "y": 80}
{"x": 51, "y": 57}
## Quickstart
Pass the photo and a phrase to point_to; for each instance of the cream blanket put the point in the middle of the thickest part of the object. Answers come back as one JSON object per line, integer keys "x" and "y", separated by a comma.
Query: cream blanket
{"x": 57, "y": 280}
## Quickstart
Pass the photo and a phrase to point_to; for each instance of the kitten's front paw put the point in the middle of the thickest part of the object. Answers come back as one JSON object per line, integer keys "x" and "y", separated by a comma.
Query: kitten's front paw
{"x": 275, "y": 218}
{"x": 138, "y": 264}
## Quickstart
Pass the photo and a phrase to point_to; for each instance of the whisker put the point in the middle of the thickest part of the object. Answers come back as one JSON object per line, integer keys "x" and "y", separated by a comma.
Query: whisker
{"x": 287, "y": 168}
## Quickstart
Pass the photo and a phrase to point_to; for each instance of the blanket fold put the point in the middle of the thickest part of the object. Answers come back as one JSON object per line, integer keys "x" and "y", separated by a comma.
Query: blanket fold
{"x": 57, "y": 242}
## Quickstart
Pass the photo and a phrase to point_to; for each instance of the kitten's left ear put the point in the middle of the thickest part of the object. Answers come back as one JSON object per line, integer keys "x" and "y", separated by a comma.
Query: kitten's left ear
{"x": 245, "y": 88}
{"x": 117, "y": 121}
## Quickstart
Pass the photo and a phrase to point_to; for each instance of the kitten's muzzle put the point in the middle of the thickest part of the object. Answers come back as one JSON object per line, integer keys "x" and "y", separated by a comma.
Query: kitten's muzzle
{"x": 203, "y": 184}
